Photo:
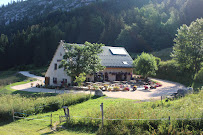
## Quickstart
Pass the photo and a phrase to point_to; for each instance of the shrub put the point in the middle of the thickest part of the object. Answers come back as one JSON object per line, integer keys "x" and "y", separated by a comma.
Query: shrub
{"x": 145, "y": 65}
{"x": 170, "y": 70}
{"x": 34, "y": 105}
{"x": 199, "y": 76}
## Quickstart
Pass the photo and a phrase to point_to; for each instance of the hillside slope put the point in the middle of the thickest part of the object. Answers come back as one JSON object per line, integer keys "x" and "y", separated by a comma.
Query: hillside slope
{"x": 32, "y": 34}
{"x": 32, "y": 8}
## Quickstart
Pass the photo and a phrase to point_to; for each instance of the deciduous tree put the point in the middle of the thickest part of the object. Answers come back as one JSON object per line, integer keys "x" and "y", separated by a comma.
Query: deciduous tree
{"x": 82, "y": 59}
{"x": 145, "y": 65}
{"x": 188, "y": 47}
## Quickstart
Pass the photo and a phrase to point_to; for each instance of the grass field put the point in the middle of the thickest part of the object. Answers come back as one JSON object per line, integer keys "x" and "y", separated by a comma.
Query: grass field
{"x": 38, "y": 127}
{"x": 188, "y": 107}
{"x": 80, "y": 107}
{"x": 12, "y": 78}
{"x": 8, "y": 77}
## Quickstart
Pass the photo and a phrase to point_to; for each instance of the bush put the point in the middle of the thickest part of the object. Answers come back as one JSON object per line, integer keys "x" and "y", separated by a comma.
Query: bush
{"x": 145, "y": 65}
{"x": 33, "y": 105}
{"x": 199, "y": 76}
{"x": 170, "y": 70}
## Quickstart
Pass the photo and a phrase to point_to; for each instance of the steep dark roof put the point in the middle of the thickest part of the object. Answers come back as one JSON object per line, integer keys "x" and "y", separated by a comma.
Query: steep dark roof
{"x": 108, "y": 59}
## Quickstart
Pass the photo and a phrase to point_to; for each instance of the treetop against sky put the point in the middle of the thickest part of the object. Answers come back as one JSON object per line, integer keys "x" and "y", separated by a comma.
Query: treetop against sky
{"x": 5, "y": 2}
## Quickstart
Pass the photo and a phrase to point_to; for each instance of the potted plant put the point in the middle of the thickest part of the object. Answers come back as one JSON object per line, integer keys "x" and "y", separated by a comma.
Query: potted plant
{"x": 95, "y": 87}
{"x": 116, "y": 88}
{"x": 126, "y": 89}
{"x": 31, "y": 84}
{"x": 134, "y": 87}
{"x": 109, "y": 89}
{"x": 89, "y": 87}
{"x": 101, "y": 87}
{"x": 105, "y": 86}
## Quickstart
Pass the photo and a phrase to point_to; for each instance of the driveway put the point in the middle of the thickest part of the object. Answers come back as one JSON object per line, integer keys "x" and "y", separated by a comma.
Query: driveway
{"x": 167, "y": 88}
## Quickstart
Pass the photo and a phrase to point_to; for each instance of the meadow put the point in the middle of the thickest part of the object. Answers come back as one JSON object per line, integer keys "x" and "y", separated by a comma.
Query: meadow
{"x": 181, "y": 112}
{"x": 121, "y": 116}
{"x": 35, "y": 105}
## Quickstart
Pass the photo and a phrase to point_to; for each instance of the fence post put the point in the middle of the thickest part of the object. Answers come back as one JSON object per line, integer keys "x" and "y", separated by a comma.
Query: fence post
{"x": 60, "y": 119}
{"x": 169, "y": 118}
{"x": 68, "y": 113}
{"x": 51, "y": 121}
{"x": 90, "y": 93}
{"x": 13, "y": 115}
{"x": 161, "y": 101}
{"x": 102, "y": 110}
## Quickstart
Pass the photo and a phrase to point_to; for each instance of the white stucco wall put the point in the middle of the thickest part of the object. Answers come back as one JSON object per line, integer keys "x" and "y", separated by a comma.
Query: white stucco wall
{"x": 59, "y": 73}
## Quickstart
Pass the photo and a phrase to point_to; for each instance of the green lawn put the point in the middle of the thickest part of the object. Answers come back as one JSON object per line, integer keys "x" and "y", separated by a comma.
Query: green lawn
{"x": 188, "y": 107}
{"x": 42, "y": 127}
{"x": 8, "y": 77}
{"x": 12, "y": 78}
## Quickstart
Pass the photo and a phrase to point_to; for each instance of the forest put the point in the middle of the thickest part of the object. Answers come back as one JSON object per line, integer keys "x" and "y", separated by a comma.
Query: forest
{"x": 137, "y": 25}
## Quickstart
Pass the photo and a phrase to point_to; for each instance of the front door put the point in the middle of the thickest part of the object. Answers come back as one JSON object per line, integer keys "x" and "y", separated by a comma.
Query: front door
{"x": 47, "y": 80}
{"x": 118, "y": 77}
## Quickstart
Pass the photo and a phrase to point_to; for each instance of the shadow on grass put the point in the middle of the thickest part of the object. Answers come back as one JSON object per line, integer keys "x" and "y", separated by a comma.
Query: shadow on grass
{"x": 2, "y": 123}
{"x": 76, "y": 128}
{"x": 197, "y": 86}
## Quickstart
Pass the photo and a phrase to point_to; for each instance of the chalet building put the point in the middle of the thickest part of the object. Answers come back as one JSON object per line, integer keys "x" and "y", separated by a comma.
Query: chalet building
{"x": 117, "y": 61}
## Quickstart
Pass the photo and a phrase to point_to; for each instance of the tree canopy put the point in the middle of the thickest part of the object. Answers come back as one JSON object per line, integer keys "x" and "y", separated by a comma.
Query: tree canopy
{"x": 145, "y": 65}
{"x": 188, "y": 47}
{"x": 82, "y": 59}
{"x": 137, "y": 25}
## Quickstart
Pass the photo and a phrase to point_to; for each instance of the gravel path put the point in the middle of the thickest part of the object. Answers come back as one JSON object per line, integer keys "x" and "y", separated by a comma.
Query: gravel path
{"x": 167, "y": 88}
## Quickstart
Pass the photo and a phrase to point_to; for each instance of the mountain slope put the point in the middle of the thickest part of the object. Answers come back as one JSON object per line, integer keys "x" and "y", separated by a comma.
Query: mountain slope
{"x": 32, "y": 35}
{"x": 33, "y": 8}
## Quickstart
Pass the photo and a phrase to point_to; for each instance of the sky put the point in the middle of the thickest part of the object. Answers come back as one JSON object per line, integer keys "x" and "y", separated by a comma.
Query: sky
{"x": 5, "y": 2}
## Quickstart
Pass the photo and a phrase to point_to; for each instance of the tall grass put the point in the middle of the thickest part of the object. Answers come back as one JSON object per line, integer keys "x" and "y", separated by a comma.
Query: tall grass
{"x": 34, "y": 105}
{"x": 7, "y": 77}
{"x": 186, "y": 108}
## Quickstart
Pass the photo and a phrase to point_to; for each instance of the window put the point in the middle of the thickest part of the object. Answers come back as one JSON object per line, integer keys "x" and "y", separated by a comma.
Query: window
{"x": 64, "y": 80}
{"x": 55, "y": 67}
{"x": 125, "y": 62}
{"x": 118, "y": 51}
{"x": 55, "y": 80}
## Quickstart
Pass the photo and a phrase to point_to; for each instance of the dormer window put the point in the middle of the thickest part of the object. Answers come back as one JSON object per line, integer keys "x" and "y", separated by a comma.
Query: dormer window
{"x": 55, "y": 66}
